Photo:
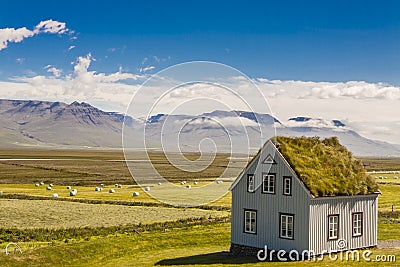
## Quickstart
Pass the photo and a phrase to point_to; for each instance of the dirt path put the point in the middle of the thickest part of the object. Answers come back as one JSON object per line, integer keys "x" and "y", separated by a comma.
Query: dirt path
{"x": 389, "y": 244}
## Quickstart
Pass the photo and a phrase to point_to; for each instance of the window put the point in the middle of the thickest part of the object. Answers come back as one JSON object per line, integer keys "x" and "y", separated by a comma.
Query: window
{"x": 269, "y": 160}
{"x": 287, "y": 186}
{"x": 250, "y": 221}
{"x": 286, "y": 226}
{"x": 269, "y": 183}
{"x": 357, "y": 224}
{"x": 333, "y": 226}
{"x": 250, "y": 183}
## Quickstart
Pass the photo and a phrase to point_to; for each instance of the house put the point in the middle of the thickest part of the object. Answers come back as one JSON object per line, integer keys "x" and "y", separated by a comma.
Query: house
{"x": 303, "y": 194}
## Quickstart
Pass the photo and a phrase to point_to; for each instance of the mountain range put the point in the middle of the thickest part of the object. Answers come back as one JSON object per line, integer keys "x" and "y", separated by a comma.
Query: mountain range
{"x": 80, "y": 125}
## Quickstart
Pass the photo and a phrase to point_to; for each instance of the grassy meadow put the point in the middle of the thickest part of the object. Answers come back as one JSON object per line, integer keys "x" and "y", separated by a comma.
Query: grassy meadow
{"x": 119, "y": 229}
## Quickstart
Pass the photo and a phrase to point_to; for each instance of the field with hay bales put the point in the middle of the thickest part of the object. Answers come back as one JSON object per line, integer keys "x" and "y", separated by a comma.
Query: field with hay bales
{"x": 96, "y": 227}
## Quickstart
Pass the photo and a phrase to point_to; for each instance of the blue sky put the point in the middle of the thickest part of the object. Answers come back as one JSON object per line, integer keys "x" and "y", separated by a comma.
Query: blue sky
{"x": 324, "y": 59}
{"x": 299, "y": 40}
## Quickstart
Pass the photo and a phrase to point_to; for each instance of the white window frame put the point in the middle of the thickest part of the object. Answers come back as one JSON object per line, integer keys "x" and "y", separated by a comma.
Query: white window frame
{"x": 286, "y": 227}
{"x": 287, "y": 186}
{"x": 333, "y": 226}
{"x": 250, "y": 221}
{"x": 357, "y": 221}
{"x": 251, "y": 183}
{"x": 269, "y": 179}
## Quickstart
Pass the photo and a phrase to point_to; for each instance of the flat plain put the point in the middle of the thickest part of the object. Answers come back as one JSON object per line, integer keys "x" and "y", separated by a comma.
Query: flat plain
{"x": 118, "y": 229}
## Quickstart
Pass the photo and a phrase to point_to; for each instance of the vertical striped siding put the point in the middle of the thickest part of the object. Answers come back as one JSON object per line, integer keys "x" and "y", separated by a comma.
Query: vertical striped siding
{"x": 320, "y": 208}
{"x": 269, "y": 206}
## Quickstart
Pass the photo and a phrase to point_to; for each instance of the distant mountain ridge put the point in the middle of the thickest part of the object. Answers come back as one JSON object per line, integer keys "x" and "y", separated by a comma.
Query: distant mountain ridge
{"x": 57, "y": 124}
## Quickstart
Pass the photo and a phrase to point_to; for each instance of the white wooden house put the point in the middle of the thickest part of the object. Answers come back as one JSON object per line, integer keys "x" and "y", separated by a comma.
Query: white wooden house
{"x": 280, "y": 205}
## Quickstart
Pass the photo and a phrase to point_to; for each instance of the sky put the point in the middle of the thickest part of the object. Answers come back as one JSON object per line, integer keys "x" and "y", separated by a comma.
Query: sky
{"x": 326, "y": 59}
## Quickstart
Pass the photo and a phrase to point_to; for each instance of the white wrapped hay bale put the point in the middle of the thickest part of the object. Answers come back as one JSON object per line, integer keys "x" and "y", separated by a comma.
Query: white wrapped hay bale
{"x": 97, "y": 189}
{"x": 37, "y": 185}
{"x": 119, "y": 186}
{"x": 41, "y": 183}
{"x": 395, "y": 177}
{"x": 188, "y": 186}
{"x": 68, "y": 187}
{"x": 73, "y": 192}
{"x": 135, "y": 194}
{"x": 159, "y": 183}
{"x": 102, "y": 185}
{"x": 48, "y": 188}
{"x": 147, "y": 188}
{"x": 55, "y": 196}
{"x": 116, "y": 185}
{"x": 51, "y": 185}
{"x": 195, "y": 183}
{"x": 111, "y": 191}
{"x": 183, "y": 182}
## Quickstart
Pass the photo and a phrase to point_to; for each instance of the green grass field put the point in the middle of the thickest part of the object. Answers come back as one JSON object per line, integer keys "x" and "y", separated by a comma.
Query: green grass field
{"x": 105, "y": 233}
{"x": 201, "y": 245}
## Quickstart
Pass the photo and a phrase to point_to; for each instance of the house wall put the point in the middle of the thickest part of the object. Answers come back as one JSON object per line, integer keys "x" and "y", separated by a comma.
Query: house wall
{"x": 320, "y": 208}
{"x": 269, "y": 206}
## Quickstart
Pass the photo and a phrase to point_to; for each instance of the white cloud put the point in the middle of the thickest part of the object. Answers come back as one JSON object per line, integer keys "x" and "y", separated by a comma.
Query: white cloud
{"x": 56, "y": 72}
{"x": 12, "y": 35}
{"x": 330, "y": 90}
{"x": 51, "y": 26}
{"x": 148, "y": 68}
{"x": 20, "y": 60}
{"x": 71, "y": 47}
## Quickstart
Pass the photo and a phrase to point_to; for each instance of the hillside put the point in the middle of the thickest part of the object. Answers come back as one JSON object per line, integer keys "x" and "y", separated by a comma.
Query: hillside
{"x": 36, "y": 123}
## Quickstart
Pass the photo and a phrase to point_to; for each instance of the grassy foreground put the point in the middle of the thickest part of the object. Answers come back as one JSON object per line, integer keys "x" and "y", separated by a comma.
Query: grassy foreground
{"x": 200, "y": 245}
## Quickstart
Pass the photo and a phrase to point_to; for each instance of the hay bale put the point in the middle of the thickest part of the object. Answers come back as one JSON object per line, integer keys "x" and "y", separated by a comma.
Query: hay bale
{"x": 102, "y": 185}
{"x": 54, "y": 196}
{"x": 183, "y": 182}
{"x": 395, "y": 177}
{"x": 159, "y": 183}
{"x": 135, "y": 194}
{"x": 37, "y": 185}
{"x": 98, "y": 189}
{"x": 111, "y": 190}
{"x": 116, "y": 185}
{"x": 195, "y": 183}
{"x": 147, "y": 188}
{"x": 68, "y": 187}
{"x": 41, "y": 183}
{"x": 48, "y": 188}
{"x": 188, "y": 186}
{"x": 119, "y": 186}
{"x": 73, "y": 192}
{"x": 51, "y": 185}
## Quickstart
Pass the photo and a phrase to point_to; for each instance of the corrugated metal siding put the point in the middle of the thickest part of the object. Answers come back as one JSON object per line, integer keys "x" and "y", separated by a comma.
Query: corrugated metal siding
{"x": 269, "y": 206}
{"x": 344, "y": 206}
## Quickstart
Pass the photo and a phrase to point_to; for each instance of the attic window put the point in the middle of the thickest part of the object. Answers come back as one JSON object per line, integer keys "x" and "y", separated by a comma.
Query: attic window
{"x": 269, "y": 183}
{"x": 250, "y": 183}
{"x": 269, "y": 160}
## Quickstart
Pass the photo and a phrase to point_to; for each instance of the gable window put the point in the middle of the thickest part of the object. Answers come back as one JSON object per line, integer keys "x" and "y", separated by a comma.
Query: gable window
{"x": 250, "y": 183}
{"x": 333, "y": 226}
{"x": 357, "y": 224}
{"x": 287, "y": 186}
{"x": 269, "y": 160}
{"x": 250, "y": 221}
{"x": 269, "y": 183}
{"x": 286, "y": 226}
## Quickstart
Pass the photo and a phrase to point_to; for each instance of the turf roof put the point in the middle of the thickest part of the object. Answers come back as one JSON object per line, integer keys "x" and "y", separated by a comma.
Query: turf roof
{"x": 325, "y": 166}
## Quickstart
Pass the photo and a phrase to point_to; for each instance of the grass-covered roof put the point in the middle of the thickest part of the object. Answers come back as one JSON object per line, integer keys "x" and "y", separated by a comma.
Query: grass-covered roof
{"x": 325, "y": 166}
